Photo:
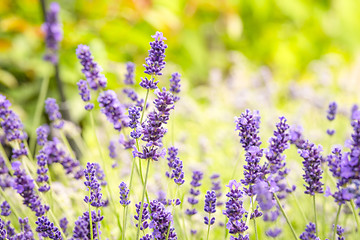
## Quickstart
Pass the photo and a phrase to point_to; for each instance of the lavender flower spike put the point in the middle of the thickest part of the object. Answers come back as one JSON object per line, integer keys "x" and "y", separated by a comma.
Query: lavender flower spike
{"x": 332, "y": 111}
{"x": 52, "y": 110}
{"x": 161, "y": 222}
{"x": 84, "y": 92}
{"x": 124, "y": 194}
{"x": 309, "y": 233}
{"x": 90, "y": 69}
{"x": 46, "y": 229}
{"x": 155, "y": 61}
{"x": 129, "y": 76}
{"x": 53, "y": 33}
{"x": 210, "y": 204}
{"x": 175, "y": 85}
{"x": 312, "y": 167}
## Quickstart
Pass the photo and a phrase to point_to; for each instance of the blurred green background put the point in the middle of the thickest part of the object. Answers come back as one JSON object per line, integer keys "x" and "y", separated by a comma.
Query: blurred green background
{"x": 311, "y": 41}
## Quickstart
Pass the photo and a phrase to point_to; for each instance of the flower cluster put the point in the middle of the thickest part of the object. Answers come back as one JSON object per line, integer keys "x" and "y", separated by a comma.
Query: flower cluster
{"x": 312, "y": 167}
{"x": 113, "y": 109}
{"x": 153, "y": 129}
{"x": 93, "y": 186}
{"x": 10, "y": 122}
{"x": 309, "y": 233}
{"x": 5, "y": 209}
{"x": 216, "y": 186}
{"x": 210, "y": 207}
{"x": 129, "y": 76}
{"x": 46, "y": 229}
{"x": 84, "y": 92}
{"x": 52, "y": 110}
{"x": 26, "y": 188}
{"x": 124, "y": 194}
{"x": 144, "y": 217}
{"x": 235, "y": 212}
{"x": 90, "y": 69}
{"x": 53, "y": 33}
{"x": 331, "y": 113}
{"x": 42, "y": 134}
{"x": 42, "y": 172}
{"x": 161, "y": 222}
{"x": 175, "y": 85}
{"x": 82, "y": 226}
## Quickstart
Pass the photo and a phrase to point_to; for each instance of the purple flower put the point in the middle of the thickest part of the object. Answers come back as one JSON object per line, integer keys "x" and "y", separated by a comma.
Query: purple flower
{"x": 42, "y": 133}
{"x": 354, "y": 112}
{"x": 93, "y": 185}
{"x": 155, "y": 61}
{"x": 10, "y": 122}
{"x": 124, "y": 194}
{"x": 134, "y": 116}
{"x": 194, "y": 191}
{"x": 175, "y": 85}
{"x": 52, "y": 110}
{"x": 42, "y": 161}
{"x": 45, "y": 228}
{"x": 17, "y": 153}
{"x": 82, "y": 225}
{"x": 172, "y": 157}
{"x": 148, "y": 83}
{"x": 273, "y": 233}
{"x": 5, "y": 209}
{"x": 210, "y": 207}
{"x": 144, "y": 217}
{"x": 331, "y": 113}
{"x": 63, "y": 224}
{"x": 26, "y": 188}
{"x": 90, "y": 69}
{"x": 278, "y": 144}
{"x": 309, "y": 233}
{"x": 264, "y": 195}
{"x": 53, "y": 33}
{"x": 153, "y": 129}
{"x": 84, "y": 92}
{"x": 248, "y": 125}
{"x": 129, "y": 76}
{"x": 112, "y": 150}
{"x": 113, "y": 109}
{"x": 340, "y": 232}
{"x": 296, "y": 136}
{"x": 216, "y": 186}
{"x": 178, "y": 173}
{"x": 161, "y": 222}
{"x": 235, "y": 211}
{"x": 312, "y": 167}
{"x": 26, "y": 232}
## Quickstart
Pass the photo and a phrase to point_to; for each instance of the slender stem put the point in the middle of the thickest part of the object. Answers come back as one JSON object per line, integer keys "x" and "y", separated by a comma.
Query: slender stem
{"x": 172, "y": 212}
{"x": 142, "y": 199}
{"x": 285, "y": 216}
{"x": 124, "y": 223}
{"x": 299, "y": 207}
{"x": 38, "y": 111}
{"x": 336, "y": 221}
{"x": 355, "y": 215}
{"x": 90, "y": 219}
{"x": 112, "y": 204}
{"x": 316, "y": 224}
{"x": 144, "y": 107}
{"x": 64, "y": 108}
{"x": 67, "y": 144}
{"x": 253, "y": 210}
{"x": 208, "y": 231}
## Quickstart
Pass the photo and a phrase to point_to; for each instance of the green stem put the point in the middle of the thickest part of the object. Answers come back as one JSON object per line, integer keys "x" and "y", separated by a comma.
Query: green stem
{"x": 299, "y": 207}
{"x": 142, "y": 199}
{"x": 112, "y": 204}
{"x": 67, "y": 144}
{"x": 355, "y": 215}
{"x": 255, "y": 228}
{"x": 90, "y": 219}
{"x": 38, "y": 111}
{"x": 124, "y": 223}
{"x": 208, "y": 231}
{"x": 285, "y": 216}
{"x": 143, "y": 110}
{"x": 316, "y": 224}
{"x": 336, "y": 221}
